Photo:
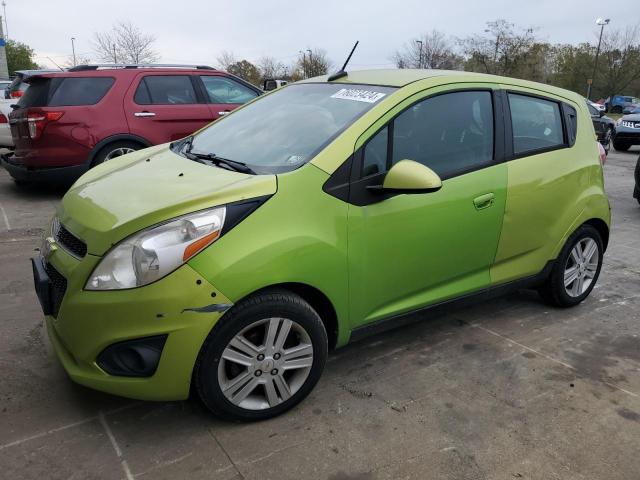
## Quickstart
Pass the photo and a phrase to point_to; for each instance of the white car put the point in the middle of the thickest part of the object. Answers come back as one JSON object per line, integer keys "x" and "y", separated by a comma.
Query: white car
{"x": 597, "y": 106}
{"x": 5, "y": 132}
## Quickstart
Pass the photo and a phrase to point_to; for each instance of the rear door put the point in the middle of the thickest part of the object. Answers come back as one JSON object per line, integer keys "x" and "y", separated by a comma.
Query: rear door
{"x": 225, "y": 94}
{"x": 161, "y": 107}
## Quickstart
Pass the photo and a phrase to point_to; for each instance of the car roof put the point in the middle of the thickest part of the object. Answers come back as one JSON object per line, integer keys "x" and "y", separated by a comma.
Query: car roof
{"x": 406, "y": 76}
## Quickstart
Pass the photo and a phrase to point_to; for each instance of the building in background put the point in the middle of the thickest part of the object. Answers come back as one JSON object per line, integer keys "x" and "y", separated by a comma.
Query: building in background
{"x": 4, "y": 69}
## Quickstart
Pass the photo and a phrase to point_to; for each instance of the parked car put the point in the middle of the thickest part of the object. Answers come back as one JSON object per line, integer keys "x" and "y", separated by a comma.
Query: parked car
{"x": 18, "y": 85}
{"x": 6, "y": 141}
{"x": 636, "y": 190}
{"x": 4, "y": 84}
{"x": 604, "y": 126}
{"x": 229, "y": 262}
{"x": 68, "y": 122}
{"x": 627, "y": 132}
{"x": 598, "y": 106}
{"x": 621, "y": 103}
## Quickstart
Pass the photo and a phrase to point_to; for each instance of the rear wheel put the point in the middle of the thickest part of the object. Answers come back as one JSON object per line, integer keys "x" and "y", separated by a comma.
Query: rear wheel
{"x": 576, "y": 269}
{"x": 262, "y": 358}
{"x": 115, "y": 150}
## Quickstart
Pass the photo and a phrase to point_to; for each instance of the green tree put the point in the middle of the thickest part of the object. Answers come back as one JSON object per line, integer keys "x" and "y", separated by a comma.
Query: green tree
{"x": 19, "y": 56}
{"x": 245, "y": 70}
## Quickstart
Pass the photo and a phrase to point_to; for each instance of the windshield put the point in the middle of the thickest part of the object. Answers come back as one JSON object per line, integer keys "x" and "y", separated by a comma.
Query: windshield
{"x": 283, "y": 130}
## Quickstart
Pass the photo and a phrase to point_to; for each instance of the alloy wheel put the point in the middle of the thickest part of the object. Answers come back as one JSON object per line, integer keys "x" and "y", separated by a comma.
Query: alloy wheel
{"x": 581, "y": 267}
{"x": 265, "y": 364}
{"x": 118, "y": 152}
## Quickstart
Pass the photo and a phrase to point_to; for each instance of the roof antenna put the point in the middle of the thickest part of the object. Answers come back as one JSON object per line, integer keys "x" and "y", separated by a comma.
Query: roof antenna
{"x": 341, "y": 73}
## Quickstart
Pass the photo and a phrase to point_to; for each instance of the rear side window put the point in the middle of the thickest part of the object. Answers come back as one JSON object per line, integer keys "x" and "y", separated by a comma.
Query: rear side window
{"x": 80, "y": 91}
{"x": 536, "y": 124}
{"x": 165, "y": 90}
{"x": 65, "y": 92}
{"x": 225, "y": 90}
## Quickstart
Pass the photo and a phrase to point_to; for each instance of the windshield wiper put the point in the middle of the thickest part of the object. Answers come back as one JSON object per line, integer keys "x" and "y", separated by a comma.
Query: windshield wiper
{"x": 213, "y": 159}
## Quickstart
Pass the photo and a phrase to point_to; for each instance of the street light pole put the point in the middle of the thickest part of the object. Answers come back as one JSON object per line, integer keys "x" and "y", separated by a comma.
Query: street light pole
{"x": 304, "y": 64}
{"x": 602, "y": 23}
{"x": 420, "y": 54}
{"x": 73, "y": 49}
{"x": 310, "y": 67}
{"x": 4, "y": 14}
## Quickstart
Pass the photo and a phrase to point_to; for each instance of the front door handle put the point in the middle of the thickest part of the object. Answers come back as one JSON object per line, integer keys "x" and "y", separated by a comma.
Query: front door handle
{"x": 224, "y": 112}
{"x": 484, "y": 201}
{"x": 144, "y": 114}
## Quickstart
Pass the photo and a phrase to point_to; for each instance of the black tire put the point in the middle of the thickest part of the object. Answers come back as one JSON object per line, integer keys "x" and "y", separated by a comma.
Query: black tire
{"x": 21, "y": 183}
{"x": 553, "y": 291}
{"x": 106, "y": 151}
{"x": 616, "y": 109}
{"x": 621, "y": 146}
{"x": 265, "y": 305}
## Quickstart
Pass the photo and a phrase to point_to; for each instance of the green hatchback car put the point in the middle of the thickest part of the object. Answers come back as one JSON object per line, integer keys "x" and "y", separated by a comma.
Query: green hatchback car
{"x": 230, "y": 262}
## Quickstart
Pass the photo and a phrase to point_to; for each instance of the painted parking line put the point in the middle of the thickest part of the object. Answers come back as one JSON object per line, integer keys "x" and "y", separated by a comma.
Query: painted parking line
{"x": 5, "y": 217}
{"x": 116, "y": 447}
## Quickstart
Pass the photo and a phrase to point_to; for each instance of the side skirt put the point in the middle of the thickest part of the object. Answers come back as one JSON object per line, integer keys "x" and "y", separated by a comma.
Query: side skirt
{"x": 420, "y": 314}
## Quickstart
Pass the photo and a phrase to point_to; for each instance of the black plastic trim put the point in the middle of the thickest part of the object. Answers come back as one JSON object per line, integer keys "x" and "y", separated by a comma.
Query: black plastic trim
{"x": 238, "y": 211}
{"x": 147, "y": 351}
{"x": 417, "y": 315}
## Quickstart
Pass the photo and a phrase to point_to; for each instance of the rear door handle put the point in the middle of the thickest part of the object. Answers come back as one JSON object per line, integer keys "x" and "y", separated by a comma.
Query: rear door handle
{"x": 223, "y": 112}
{"x": 484, "y": 201}
{"x": 144, "y": 114}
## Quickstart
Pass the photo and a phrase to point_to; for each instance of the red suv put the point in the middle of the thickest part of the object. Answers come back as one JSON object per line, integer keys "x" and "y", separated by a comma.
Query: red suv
{"x": 67, "y": 122}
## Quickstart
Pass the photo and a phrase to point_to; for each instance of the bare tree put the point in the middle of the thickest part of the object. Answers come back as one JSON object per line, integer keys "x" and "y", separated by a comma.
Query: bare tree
{"x": 503, "y": 51}
{"x": 430, "y": 50}
{"x": 312, "y": 63}
{"x": 271, "y": 68}
{"x": 226, "y": 59}
{"x": 620, "y": 60}
{"x": 80, "y": 60}
{"x": 125, "y": 43}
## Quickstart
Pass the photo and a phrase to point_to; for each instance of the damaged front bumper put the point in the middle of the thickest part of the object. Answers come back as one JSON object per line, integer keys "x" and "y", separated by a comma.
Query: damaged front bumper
{"x": 181, "y": 308}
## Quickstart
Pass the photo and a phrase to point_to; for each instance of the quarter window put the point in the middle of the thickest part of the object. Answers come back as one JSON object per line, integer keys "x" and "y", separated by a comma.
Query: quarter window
{"x": 375, "y": 154}
{"x": 536, "y": 124}
{"x": 165, "y": 90}
{"x": 225, "y": 90}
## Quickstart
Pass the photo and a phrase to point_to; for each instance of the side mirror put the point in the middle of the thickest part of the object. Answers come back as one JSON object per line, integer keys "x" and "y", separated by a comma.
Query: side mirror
{"x": 409, "y": 176}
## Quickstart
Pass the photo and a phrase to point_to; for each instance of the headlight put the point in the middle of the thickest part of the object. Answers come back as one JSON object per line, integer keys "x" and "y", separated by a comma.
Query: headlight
{"x": 149, "y": 255}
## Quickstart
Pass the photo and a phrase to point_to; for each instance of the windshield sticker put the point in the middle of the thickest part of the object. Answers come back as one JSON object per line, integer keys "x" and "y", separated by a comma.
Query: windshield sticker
{"x": 358, "y": 95}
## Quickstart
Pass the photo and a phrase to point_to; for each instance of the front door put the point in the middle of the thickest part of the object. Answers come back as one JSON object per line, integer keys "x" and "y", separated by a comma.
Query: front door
{"x": 407, "y": 251}
{"x": 225, "y": 94}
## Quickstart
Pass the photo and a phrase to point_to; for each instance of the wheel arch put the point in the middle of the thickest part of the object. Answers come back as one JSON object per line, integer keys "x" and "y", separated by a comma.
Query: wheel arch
{"x": 128, "y": 137}
{"x": 602, "y": 228}
{"x": 318, "y": 300}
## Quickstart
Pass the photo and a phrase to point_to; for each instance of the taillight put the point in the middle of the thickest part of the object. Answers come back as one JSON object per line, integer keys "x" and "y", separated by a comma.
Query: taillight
{"x": 603, "y": 154}
{"x": 3, "y": 118}
{"x": 16, "y": 94}
{"x": 38, "y": 120}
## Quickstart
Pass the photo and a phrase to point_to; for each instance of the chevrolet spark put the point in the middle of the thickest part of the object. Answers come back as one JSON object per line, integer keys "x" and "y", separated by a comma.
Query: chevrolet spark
{"x": 228, "y": 263}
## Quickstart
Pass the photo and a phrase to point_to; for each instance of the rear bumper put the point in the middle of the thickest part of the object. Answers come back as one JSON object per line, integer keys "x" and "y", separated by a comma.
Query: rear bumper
{"x": 48, "y": 175}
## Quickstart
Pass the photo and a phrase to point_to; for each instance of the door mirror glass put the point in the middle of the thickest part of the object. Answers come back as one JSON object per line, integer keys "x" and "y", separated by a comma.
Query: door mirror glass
{"x": 411, "y": 177}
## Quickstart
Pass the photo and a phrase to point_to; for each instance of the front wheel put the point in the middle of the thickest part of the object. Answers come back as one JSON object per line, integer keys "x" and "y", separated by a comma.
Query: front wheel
{"x": 576, "y": 269}
{"x": 621, "y": 146}
{"x": 262, "y": 358}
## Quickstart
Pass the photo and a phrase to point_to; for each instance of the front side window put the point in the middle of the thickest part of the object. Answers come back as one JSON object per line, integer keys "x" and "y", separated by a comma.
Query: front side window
{"x": 165, "y": 90}
{"x": 536, "y": 124}
{"x": 225, "y": 90}
{"x": 287, "y": 128}
{"x": 450, "y": 133}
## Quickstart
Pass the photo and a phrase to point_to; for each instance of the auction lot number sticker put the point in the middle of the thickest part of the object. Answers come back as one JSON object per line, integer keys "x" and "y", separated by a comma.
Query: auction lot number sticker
{"x": 358, "y": 95}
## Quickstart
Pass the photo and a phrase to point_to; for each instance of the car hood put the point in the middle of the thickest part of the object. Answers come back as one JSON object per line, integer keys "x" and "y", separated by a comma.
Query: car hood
{"x": 632, "y": 117}
{"x": 135, "y": 191}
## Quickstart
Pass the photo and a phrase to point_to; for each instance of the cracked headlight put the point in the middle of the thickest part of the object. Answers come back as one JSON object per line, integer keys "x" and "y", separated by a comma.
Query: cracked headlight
{"x": 151, "y": 254}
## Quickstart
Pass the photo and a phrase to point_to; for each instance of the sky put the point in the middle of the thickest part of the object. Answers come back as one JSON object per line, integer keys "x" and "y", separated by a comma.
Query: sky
{"x": 196, "y": 31}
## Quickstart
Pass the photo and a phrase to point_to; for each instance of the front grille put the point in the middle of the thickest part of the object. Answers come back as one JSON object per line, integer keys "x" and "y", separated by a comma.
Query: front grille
{"x": 58, "y": 287}
{"x": 68, "y": 240}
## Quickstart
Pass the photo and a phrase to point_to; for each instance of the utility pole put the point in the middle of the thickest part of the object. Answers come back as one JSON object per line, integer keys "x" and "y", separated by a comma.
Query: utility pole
{"x": 73, "y": 49}
{"x": 310, "y": 71}
{"x": 115, "y": 57}
{"x": 602, "y": 23}
{"x": 304, "y": 64}
{"x": 420, "y": 54}
{"x": 4, "y": 14}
